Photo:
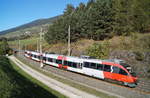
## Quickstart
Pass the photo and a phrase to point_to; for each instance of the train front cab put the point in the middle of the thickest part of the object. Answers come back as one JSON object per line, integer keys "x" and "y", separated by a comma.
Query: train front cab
{"x": 132, "y": 78}
{"x": 120, "y": 73}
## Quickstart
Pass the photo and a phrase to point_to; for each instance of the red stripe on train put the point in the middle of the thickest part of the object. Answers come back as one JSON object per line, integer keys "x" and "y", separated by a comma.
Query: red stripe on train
{"x": 60, "y": 58}
{"x": 65, "y": 67}
{"x": 59, "y": 65}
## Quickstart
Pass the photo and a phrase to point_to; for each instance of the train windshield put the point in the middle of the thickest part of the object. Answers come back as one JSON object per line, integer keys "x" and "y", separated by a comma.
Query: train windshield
{"x": 128, "y": 67}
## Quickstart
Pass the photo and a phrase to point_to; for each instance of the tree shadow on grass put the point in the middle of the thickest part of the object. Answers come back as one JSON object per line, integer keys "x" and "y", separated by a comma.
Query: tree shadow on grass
{"x": 23, "y": 87}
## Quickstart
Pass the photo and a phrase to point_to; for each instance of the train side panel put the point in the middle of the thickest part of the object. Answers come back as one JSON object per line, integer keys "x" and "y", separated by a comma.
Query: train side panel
{"x": 53, "y": 57}
{"x": 93, "y": 72}
{"x": 78, "y": 67}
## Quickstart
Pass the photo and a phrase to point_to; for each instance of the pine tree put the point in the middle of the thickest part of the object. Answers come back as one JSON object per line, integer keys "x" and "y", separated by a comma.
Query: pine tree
{"x": 100, "y": 19}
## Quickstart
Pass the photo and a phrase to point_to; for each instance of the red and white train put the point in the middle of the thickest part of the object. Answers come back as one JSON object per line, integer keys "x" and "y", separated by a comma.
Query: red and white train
{"x": 113, "y": 69}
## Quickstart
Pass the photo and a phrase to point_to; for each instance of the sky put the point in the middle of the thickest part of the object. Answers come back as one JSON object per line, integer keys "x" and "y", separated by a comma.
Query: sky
{"x": 17, "y": 12}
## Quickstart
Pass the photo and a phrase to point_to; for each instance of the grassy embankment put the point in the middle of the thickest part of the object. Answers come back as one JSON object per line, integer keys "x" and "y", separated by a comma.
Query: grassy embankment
{"x": 15, "y": 83}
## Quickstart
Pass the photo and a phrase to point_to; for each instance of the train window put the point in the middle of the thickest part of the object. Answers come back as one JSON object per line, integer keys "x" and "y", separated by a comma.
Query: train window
{"x": 58, "y": 61}
{"x": 31, "y": 54}
{"x": 50, "y": 59}
{"x": 79, "y": 65}
{"x": 39, "y": 57}
{"x": 123, "y": 72}
{"x": 86, "y": 64}
{"x": 115, "y": 69}
{"x": 65, "y": 62}
{"x": 107, "y": 68}
{"x": 125, "y": 65}
{"x": 74, "y": 64}
{"x": 93, "y": 65}
{"x": 44, "y": 58}
{"x": 100, "y": 66}
{"x": 69, "y": 63}
{"x": 54, "y": 60}
{"x": 34, "y": 56}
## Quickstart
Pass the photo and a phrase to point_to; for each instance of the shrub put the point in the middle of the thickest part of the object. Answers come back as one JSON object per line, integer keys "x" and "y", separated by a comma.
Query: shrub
{"x": 98, "y": 50}
{"x": 139, "y": 56}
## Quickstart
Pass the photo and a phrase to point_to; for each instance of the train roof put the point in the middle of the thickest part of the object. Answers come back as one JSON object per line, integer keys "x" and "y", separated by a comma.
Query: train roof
{"x": 118, "y": 61}
{"x": 47, "y": 54}
{"x": 88, "y": 58}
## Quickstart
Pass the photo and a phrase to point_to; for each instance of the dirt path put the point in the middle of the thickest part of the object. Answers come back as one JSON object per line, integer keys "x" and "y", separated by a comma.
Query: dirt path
{"x": 56, "y": 85}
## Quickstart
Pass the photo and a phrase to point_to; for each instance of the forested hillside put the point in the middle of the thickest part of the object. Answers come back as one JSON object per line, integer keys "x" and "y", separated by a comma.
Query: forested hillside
{"x": 100, "y": 19}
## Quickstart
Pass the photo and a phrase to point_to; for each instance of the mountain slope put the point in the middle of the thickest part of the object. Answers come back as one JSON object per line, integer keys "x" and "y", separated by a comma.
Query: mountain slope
{"x": 31, "y": 24}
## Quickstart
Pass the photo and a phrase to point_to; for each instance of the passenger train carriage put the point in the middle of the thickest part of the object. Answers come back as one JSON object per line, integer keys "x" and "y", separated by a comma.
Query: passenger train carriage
{"x": 27, "y": 54}
{"x": 113, "y": 69}
{"x": 52, "y": 59}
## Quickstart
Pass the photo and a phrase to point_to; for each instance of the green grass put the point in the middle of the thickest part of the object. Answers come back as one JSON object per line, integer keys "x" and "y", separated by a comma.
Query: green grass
{"x": 69, "y": 82}
{"x": 31, "y": 40}
{"x": 30, "y": 43}
{"x": 17, "y": 84}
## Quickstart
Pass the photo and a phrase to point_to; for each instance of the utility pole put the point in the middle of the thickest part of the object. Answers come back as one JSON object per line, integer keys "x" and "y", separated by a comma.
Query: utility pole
{"x": 69, "y": 41}
{"x": 25, "y": 47}
{"x": 19, "y": 46}
{"x": 37, "y": 45}
{"x": 41, "y": 65}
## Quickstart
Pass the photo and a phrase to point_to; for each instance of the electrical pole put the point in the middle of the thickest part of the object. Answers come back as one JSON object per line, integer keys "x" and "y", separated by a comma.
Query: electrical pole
{"x": 37, "y": 45}
{"x": 19, "y": 46}
{"x": 69, "y": 41}
{"x": 41, "y": 63}
{"x": 25, "y": 47}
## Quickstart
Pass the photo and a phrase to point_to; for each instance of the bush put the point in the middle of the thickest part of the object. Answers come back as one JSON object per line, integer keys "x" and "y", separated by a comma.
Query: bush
{"x": 141, "y": 42}
{"x": 100, "y": 51}
{"x": 139, "y": 56}
{"x": 145, "y": 41}
{"x": 4, "y": 47}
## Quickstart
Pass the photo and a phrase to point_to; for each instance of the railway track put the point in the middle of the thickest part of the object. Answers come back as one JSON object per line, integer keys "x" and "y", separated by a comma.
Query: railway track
{"x": 141, "y": 91}
{"x": 144, "y": 86}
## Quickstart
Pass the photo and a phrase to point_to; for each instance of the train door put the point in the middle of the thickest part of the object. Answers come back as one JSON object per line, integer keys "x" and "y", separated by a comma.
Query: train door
{"x": 119, "y": 74}
{"x": 115, "y": 73}
{"x": 123, "y": 75}
{"x": 59, "y": 61}
{"x": 108, "y": 71}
